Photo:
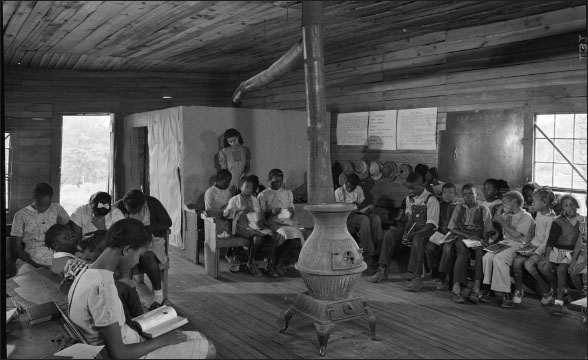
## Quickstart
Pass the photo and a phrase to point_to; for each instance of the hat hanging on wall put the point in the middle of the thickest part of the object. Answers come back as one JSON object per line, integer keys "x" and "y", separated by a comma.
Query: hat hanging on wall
{"x": 347, "y": 167}
{"x": 342, "y": 179}
{"x": 404, "y": 171}
{"x": 390, "y": 170}
{"x": 361, "y": 169}
{"x": 376, "y": 170}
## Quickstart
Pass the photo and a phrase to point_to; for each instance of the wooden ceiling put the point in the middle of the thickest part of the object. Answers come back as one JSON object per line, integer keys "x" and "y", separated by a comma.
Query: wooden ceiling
{"x": 221, "y": 36}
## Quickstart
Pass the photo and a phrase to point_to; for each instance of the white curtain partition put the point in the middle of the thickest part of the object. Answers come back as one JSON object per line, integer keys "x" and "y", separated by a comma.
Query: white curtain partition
{"x": 165, "y": 147}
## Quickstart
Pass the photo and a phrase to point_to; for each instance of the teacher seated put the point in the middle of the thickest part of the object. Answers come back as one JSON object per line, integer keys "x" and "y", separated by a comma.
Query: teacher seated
{"x": 152, "y": 214}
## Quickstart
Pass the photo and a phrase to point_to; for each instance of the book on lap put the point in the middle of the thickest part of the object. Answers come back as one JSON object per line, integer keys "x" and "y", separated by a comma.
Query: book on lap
{"x": 470, "y": 243}
{"x": 42, "y": 312}
{"x": 439, "y": 239}
{"x": 496, "y": 248}
{"x": 527, "y": 250}
{"x": 159, "y": 321}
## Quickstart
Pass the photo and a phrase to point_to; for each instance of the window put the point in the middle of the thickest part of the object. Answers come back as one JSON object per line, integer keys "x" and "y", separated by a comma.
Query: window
{"x": 568, "y": 132}
{"x": 7, "y": 168}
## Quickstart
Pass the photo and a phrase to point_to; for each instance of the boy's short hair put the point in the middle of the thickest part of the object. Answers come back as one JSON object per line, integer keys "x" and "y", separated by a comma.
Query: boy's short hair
{"x": 128, "y": 232}
{"x": 254, "y": 180}
{"x": 42, "y": 189}
{"x": 134, "y": 199}
{"x": 94, "y": 241}
{"x": 568, "y": 196}
{"x": 434, "y": 172}
{"x": 52, "y": 233}
{"x": 546, "y": 195}
{"x": 468, "y": 186}
{"x": 414, "y": 177}
{"x": 514, "y": 195}
{"x": 246, "y": 179}
{"x": 353, "y": 179}
{"x": 493, "y": 182}
{"x": 530, "y": 186}
{"x": 222, "y": 175}
{"x": 275, "y": 173}
{"x": 448, "y": 186}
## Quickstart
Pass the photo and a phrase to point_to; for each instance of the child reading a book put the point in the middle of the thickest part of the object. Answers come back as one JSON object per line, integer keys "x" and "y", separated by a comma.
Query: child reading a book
{"x": 563, "y": 236}
{"x": 470, "y": 220}
{"x": 367, "y": 225}
{"x": 541, "y": 202}
{"x": 60, "y": 239}
{"x": 96, "y": 309}
{"x": 277, "y": 204}
{"x": 246, "y": 211}
{"x": 440, "y": 257}
{"x": 516, "y": 224}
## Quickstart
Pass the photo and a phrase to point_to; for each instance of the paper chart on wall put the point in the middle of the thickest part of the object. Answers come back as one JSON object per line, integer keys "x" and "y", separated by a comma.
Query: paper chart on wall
{"x": 382, "y": 130}
{"x": 352, "y": 129}
{"x": 416, "y": 129}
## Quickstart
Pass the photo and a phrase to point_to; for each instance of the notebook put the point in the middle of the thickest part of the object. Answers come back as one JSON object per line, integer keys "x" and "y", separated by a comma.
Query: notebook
{"x": 439, "y": 239}
{"x": 496, "y": 248}
{"x": 159, "y": 321}
{"x": 78, "y": 351}
{"x": 43, "y": 312}
{"x": 472, "y": 243}
{"x": 527, "y": 250}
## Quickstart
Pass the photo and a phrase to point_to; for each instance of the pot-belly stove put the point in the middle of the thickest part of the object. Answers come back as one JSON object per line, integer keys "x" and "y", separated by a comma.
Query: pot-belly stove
{"x": 331, "y": 264}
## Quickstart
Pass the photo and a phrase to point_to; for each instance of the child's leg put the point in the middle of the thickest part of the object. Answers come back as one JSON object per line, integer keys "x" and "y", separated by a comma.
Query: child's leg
{"x": 517, "y": 269}
{"x": 531, "y": 266}
{"x": 432, "y": 254}
{"x": 562, "y": 277}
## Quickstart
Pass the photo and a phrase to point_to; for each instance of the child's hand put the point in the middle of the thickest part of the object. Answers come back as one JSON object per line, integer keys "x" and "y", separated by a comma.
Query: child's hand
{"x": 173, "y": 337}
{"x": 498, "y": 216}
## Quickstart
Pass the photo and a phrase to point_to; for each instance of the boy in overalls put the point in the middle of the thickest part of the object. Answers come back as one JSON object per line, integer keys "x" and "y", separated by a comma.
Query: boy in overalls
{"x": 422, "y": 209}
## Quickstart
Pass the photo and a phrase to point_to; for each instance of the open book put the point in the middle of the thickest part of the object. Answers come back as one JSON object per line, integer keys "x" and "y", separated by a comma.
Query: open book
{"x": 472, "y": 243}
{"x": 159, "y": 321}
{"x": 438, "y": 239}
{"x": 496, "y": 248}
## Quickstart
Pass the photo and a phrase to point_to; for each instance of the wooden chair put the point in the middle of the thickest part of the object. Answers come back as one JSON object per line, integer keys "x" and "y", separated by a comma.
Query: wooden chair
{"x": 212, "y": 244}
{"x": 163, "y": 267}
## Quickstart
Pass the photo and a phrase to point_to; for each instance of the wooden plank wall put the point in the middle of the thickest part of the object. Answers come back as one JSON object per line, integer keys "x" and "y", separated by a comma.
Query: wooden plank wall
{"x": 529, "y": 63}
{"x": 35, "y": 101}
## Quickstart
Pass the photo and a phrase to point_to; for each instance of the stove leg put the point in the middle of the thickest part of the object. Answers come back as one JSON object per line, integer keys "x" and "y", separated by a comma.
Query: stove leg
{"x": 323, "y": 332}
{"x": 287, "y": 316}
{"x": 371, "y": 319}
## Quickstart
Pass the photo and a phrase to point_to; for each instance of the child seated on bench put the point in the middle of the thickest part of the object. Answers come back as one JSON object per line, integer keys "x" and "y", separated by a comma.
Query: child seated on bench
{"x": 60, "y": 239}
{"x": 277, "y": 204}
{"x": 216, "y": 199}
{"x": 251, "y": 225}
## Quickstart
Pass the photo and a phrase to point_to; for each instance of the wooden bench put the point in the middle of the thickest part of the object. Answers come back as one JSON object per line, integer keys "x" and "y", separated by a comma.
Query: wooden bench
{"x": 190, "y": 235}
{"x": 212, "y": 244}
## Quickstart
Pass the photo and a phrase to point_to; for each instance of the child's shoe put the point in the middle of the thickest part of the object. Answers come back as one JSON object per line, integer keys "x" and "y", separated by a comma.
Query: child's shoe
{"x": 518, "y": 296}
{"x": 474, "y": 296}
{"x": 380, "y": 276}
{"x": 506, "y": 300}
{"x": 253, "y": 269}
{"x": 416, "y": 284}
{"x": 486, "y": 296}
{"x": 271, "y": 269}
{"x": 457, "y": 298}
{"x": 558, "y": 309}
{"x": 547, "y": 297}
{"x": 442, "y": 286}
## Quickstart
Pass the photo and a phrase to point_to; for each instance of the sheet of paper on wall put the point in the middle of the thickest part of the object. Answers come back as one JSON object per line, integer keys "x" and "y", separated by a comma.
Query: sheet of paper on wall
{"x": 382, "y": 130}
{"x": 416, "y": 129}
{"x": 352, "y": 129}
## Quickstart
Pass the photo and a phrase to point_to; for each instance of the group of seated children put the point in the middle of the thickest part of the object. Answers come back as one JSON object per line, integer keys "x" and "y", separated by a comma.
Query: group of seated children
{"x": 547, "y": 245}
{"x": 31, "y": 224}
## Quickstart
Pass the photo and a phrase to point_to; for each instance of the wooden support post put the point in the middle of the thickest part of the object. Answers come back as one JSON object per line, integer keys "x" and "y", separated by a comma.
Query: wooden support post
{"x": 320, "y": 183}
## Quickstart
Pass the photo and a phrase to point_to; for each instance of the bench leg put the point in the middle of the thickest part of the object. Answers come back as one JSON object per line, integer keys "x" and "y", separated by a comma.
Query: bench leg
{"x": 164, "y": 283}
{"x": 211, "y": 260}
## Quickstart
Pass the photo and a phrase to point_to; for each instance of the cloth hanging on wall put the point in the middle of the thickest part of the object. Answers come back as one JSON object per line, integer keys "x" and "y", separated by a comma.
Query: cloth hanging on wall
{"x": 165, "y": 148}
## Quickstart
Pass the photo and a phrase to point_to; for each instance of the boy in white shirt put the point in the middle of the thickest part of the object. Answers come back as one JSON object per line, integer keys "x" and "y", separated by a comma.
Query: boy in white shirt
{"x": 367, "y": 226}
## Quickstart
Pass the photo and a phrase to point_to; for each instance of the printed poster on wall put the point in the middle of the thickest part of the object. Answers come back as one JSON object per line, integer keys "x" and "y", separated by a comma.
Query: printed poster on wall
{"x": 382, "y": 130}
{"x": 352, "y": 128}
{"x": 416, "y": 129}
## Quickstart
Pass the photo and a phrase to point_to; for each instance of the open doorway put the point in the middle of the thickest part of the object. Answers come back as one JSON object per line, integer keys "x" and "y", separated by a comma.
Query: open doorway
{"x": 86, "y": 158}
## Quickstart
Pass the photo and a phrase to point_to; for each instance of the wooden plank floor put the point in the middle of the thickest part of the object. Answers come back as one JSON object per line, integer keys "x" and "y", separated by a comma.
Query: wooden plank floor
{"x": 242, "y": 314}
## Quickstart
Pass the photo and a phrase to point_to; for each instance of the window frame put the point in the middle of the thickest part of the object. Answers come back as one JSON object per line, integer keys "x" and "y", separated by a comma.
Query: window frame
{"x": 8, "y": 172}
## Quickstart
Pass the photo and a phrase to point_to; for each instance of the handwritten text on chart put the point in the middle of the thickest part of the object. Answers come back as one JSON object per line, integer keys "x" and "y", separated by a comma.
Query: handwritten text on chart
{"x": 416, "y": 129}
{"x": 352, "y": 129}
{"x": 382, "y": 130}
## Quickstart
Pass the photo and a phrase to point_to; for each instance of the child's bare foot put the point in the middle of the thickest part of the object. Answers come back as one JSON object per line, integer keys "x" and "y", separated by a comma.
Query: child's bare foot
{"x": 253, "y": 269}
